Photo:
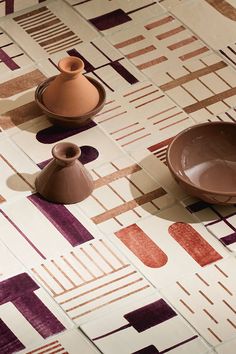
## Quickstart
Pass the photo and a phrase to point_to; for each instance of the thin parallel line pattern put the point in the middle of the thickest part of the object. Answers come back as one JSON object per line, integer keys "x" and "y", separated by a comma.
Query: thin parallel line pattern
{"x": 71, "y": 267}
{"x": 6, "y": 45}
{"x": 182, "y": 43}
{"x": 203, "y": 280}
{"x": 39, "y": 21}
{"x": 109, "y": 118}
{"x": 116, "y": 175}
{"x": 50, "y": 33}
{"x": 170, "y": 33}
{"x": 113, "y": 212}
{"x": 214, "y": 334}
{"x": 187, "y": 306}
{"x": 229, "y": 116}
{"x": 210, "y": 316}
{"x": 193, "y": 75}
{"x": 47, "y": 24}
{"x": 60, "y": 26}
{"x": 33, "y": 19}
{"x": 22, "y": 234}
{"x": 65, "y": 46}
{"x": 147, "y": 94}
{"x": 152, "y": 62}
{"x": 129, "y": 134}
{"x": 169, "y": 117}
{"x": 170, "y": 125}
{"x": 124, "y": 128}
{"x": 159, "y": 113}
{"x": 103, "y": 295}
{"x": 231, "y": 49}
{"x": 183, "y": 288}
{"x": 96, "y": 288}
{"x": 222, "y": 79}
{"x": 44, "y": 282}
{"x": 161, "y": 156}
{"x": 111, "y": 301}
{"x": 28, "y": 16}
{"x": 103, "y": 82}
{"x": 43, "y": 347}
{"x": 221, "y": 271}
{"x": 62, "y": 272}
{"x": 189, "y": 92}
{"x": 107, "y": 111}
{"x": 206, "y": 297}
{"x": 56, "y": 349}
{"x": 228, "y": 57}
{"x": 229, "y": 306}
{"x": 14, "y": 170}
{"x": 160, "y": 22}
{"x": 139, "y": 52}
{"x": 147, "y": 102}
{"x": 232, "y": 324}
{"x": 99, "y": 202}
{"x": 134, "y": 140}
{"x": 129, "y": 42}
{"x": 225, "y": 288}
{"x": 141, "y": 8}
{"x": 101, "y": 255}
{"x": 140, "y": 89}
{"x": 92, "y": 280}
{"x": 52, "y": 42}
{"x": 53, "y": 277}
{"x": 92, "y": 260}
{"x": 194, "y": 53}
{"x": 161, "y": 150}
{"x": 82, "y": 264}
{"x": 112, "y": 252}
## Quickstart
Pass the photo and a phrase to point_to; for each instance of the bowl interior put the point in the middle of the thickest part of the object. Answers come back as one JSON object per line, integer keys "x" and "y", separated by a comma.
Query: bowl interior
{"x": 205, "y": 156}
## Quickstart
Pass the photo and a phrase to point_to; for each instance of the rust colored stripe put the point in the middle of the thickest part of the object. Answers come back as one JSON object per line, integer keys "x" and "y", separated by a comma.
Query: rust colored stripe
{"x": 214, "y": 334}
{"x": 21, "y": 83}
{"x": 44, "y": 282}
{"x": 134, "y": 91}
{"x": 43, "y": 347}
{"x": 232, "y": 324}
{"x": 209, "y": 315}
{"x": 194, "y": 75}
{"x": 201, "y": 278}
{"x": 132, "y": 141}
{"x": 147, "y": 102}
{"x": 206, "y": 297}
{"x": 170, "y": 125}
{"x": 116, "y": 175}
{"x": 160, "y": 145}
{"x": 221, "y": 271}
{"x": 20, "y": 115}
{"x": 209, "y": 101}
{"x": 43, "y": 26}
{"x": 161, "y": 112}
{"x": 142, "y": 51}
{"x": 187, "y": 306}
{"x": 129, "y": 41}
{"x": 150, "y": 63}
{"x": 169, "y": 117}
{"x": 183, "y": 288}
{"x": 138, "y": 242}
{"x": 147, "y": 94}
{"x": 31, "y": 13}
{"x": 193, "y": 243}
{"x": 159, "y": 22}
{"x": 229, "y": 306}
{"x": 170, "y": 33}
{"x": 128, "y": 206}
{"x": 112, "y": 252}
{"x": 56, "y": 38}
{"x": 225, "y": 288}
{"x": 224, "y": 8}
{"x": 2, "y": 199}
{"x": 193, "y": 53}
{"x": 182, "y": 43}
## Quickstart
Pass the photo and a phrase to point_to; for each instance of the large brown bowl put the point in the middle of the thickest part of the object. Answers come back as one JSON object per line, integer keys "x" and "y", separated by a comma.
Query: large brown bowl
{"x": 70, "y": 122}
{"x": 202, "y": 159}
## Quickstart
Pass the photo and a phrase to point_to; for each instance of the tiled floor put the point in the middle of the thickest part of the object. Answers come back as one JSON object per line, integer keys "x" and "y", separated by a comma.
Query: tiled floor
{"x": 139, "y": 267}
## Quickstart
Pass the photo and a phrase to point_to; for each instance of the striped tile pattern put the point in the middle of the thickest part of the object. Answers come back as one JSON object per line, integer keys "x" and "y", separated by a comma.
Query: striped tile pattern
{"x": 229, "y": 54}
{"x": 89, "y": 279}
{"x": 50, "y": 348}
{"x": 47, "y": 30}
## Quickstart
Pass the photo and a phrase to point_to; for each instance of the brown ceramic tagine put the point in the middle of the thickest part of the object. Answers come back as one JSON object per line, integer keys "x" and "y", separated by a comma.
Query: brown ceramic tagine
{"x": 64, "y": 180}
{"x": 70, "y": 99}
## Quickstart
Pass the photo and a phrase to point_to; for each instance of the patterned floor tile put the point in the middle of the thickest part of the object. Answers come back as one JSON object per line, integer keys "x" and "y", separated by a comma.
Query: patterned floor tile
{"x": 17, "y": 172}
{"x": 9, "y": 6}
{"x": 169, "y": 4}
{"x": 109, "y": 17}
{"x": 206, "y": 299}
{"x": 144, "y": 327}
{"x": 166, "y": 246}
{"x": 220, "y": 220}
{"x": 229, "y": 54}
{"x": 123, "y": 194}
{"x": 92, "y": 280}
{"x": 211, "y": 20}
{"x": 226, "y": 348}
{"x": 48, "y": 29}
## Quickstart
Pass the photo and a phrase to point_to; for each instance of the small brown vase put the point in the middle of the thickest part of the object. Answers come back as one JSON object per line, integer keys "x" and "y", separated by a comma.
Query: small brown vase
{"x": 70, "y": 94}
{"x": 64, "y": 180}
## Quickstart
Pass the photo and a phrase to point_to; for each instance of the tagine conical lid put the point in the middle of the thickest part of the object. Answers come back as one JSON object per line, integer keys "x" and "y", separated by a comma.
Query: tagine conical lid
{"x": 70, "y": 94}
{"x": 64, "y": 180}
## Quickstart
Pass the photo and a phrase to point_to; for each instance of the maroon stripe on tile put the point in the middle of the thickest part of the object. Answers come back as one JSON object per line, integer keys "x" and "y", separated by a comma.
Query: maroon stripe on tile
{"x": 9, "y": 6}
{"x": 31, "y": 13}
{"x": 63, "y": 220}
{"x": 87, "y": 65}
{"x": 9, "y": 343}
{"x": 4, "y": 57}
{"x": 110, "y": 19}
{"x": 120, "y": 69}
{"x": 228, "y": 240}
{"x": 151, "y": 349}
{"x": 54, "y": 134}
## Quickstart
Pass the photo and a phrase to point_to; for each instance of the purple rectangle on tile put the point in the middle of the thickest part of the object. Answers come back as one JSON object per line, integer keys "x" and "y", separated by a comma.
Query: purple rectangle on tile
{"x": 150, "y": 315}
{"x": 9, "y": 343}
{"x": 228, "y": 240}
{"x": 65, "y": 222}
{"x": 110, "y": 19}
{"x": 4, "y": 57}
{"x": 120, "y": 69}
{"x": 151, "y": 349}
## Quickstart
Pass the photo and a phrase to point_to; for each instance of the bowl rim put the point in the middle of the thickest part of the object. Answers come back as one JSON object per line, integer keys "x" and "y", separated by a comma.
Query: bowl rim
{"x": 169, "y": 164}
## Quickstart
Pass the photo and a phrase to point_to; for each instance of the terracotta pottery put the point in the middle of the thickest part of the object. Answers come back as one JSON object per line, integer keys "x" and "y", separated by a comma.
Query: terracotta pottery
{"x": 64, "y": 180}
{"x": 70, "y": 94}
{"x": 202, "y": 159}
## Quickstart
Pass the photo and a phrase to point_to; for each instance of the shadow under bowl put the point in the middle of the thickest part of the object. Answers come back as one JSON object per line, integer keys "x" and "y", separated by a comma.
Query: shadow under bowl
{"x": 69, "y": 122}
{"x": 202, "y": 160}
